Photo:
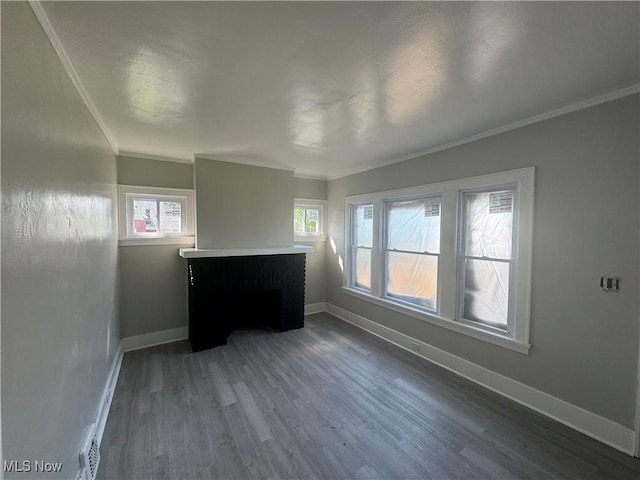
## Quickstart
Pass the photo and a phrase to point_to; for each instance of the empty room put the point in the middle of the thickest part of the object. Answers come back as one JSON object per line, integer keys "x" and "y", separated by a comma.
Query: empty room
{"x": 320, "y": 240}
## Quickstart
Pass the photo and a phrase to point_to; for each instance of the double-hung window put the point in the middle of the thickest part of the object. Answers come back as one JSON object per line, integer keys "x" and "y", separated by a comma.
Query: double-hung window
{"x": 412, "y": 250}
{"x": 486, "y": 257}
{"x": 361, "y": 245}
{"x": 456, "y": 254}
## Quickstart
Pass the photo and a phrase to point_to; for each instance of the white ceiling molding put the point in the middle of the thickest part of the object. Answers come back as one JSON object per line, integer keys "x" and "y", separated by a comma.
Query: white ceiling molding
{"x": 155, "y": 157}
{"x": 608, "y": 97}
{"x": 310, "y": 177}
{"x": 246, "y": 160}
{"x": 40, "y": 14}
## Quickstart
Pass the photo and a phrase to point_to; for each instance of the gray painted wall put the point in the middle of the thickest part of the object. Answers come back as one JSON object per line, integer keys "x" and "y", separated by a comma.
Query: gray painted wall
{"x": 242, "y": 206}
{"x": 315, "y": 287}
{"x": 152, "y": 289}
{"x": 153, "y": 294}
{"x": 585, "y": 342}
{"x": 144, "y": 172}
{"x": 310, "y": 188}
{"x": 59, "y": 254}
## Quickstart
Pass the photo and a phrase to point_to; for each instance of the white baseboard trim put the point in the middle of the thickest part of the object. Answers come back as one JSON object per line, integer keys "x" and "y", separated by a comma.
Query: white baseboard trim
{"x": 155, "y": 338}
{"x": 107, "y": 394}
{"x": 591, "y": 424}
{"x": 104, "y": 405}
{"x": 311, "y": 308}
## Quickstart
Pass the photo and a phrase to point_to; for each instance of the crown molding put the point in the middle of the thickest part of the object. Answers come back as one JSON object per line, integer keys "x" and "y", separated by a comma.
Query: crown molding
{"x": 608, "y": 97}
{"x": 51, "y": 34}
{"x": 310, "y": 177}
{"x": 155, "y": 157}
{"x": 254, "y": 162}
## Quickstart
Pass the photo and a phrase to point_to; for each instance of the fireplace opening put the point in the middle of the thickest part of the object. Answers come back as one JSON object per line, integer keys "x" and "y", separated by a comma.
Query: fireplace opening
{"x": 254, "y": 309}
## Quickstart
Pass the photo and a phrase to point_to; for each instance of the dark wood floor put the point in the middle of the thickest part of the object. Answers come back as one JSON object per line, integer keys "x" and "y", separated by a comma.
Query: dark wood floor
{"x": 328, "y": 401}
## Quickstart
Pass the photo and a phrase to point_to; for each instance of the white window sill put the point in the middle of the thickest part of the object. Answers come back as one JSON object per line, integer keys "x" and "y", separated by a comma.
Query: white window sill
{"x": 469, "y": 330}
{"x": 299, "y": 238}
{"x": 146, "y": 241}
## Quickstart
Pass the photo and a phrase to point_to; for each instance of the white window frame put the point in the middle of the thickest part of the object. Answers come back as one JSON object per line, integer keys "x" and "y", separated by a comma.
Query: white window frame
{"x": 462, "y": 256}
{"x": 516, "y": 338}
{"x": 126, "y": 194}
{"x": 386, "y": 250}
{"x": 312, "y": 236}
{"x": 351, "y": 247}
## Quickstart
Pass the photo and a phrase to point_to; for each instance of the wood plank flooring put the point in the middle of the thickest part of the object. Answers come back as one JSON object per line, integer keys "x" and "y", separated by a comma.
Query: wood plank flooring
{"x": 328, "y": 401}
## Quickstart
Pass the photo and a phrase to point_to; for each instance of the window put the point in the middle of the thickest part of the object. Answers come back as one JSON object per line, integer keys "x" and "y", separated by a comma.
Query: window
{"x": 456, "y": 254}
{"x": 412, "y": 251}
{"x": 486, "y": 257}
{"x": 361, "y": 245}
{"x": 155, "y": 215}
{"x": 308, "y": 219}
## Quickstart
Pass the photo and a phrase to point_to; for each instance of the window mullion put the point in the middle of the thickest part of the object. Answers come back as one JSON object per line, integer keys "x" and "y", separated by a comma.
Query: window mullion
{"x": 377, "y": 270}
{"x": 351, "y": 264}
{"x": 129, "y": 215}
{"x": 447, "y": 269}
{"x": 158, "y": 226}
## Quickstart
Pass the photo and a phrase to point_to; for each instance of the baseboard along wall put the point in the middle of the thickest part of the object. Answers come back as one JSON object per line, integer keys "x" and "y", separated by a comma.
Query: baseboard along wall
{"x": 107, "y": 395}
{"x": 312, "y": 308}
{"x": 104, "y": 406}
{"x": 155, "y": 338}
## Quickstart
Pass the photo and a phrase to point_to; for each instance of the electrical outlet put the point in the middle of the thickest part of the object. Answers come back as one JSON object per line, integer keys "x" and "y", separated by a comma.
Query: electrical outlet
{"x": 610, "y": 284}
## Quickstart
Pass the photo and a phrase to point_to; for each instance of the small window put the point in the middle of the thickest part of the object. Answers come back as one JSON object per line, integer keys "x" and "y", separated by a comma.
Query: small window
{"x": 308, "y": 219}
{"x": 155, "y": 215}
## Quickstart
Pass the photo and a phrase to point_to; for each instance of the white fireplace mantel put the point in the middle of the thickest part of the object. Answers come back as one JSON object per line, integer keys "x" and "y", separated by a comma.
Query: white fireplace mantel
{"x": 242, "y": 252}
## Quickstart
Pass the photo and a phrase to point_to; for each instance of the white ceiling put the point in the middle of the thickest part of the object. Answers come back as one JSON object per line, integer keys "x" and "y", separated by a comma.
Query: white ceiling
{"x": 334, "y": 88}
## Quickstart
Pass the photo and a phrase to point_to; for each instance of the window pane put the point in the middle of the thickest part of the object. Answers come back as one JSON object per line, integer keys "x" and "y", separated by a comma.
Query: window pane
{"x": 489, "y": 224}
{"x": 170, "y": 217}
{"x": 486, "y": 292}
{"x": 414, "y": 225}
{"x": 362, "y": 267}
{"x": 363, "y": 225}
{"x": 145, "y": 216}
{"x": 312, "y": 220}
{"x": 298, "y": 220}
{"x": 413, "y": 278}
